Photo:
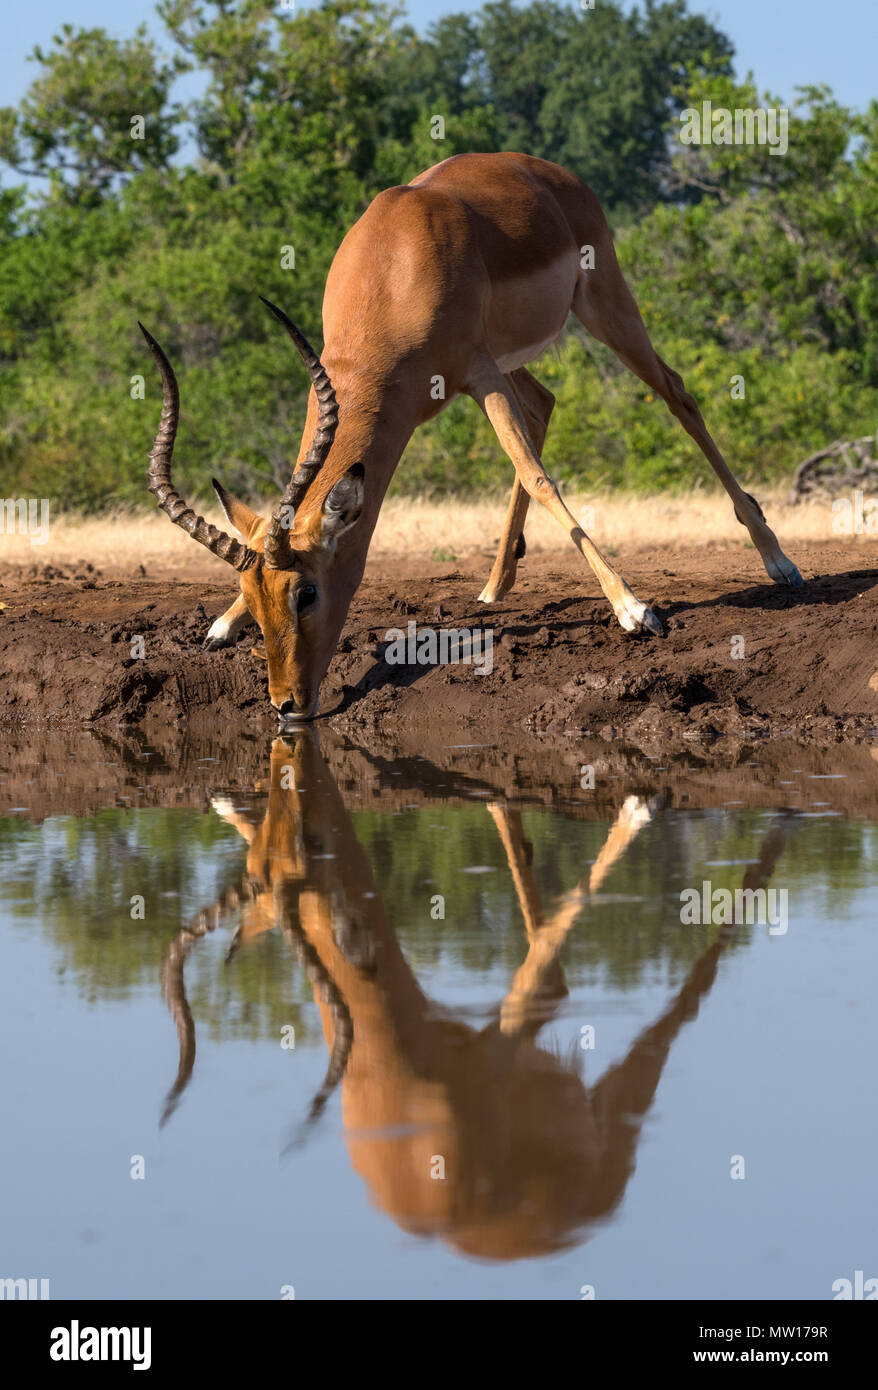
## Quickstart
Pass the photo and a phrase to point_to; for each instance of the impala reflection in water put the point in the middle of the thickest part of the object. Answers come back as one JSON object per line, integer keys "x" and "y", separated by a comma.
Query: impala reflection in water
{"x": 483, "y": 1137}
{"x": 443, "y": 1022}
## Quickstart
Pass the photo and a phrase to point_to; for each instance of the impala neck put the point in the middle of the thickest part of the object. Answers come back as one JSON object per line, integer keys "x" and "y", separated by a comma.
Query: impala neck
{"x": 375, "y": 424}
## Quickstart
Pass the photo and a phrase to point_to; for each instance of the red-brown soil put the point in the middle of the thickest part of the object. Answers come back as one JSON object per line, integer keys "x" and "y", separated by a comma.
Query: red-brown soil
{"x": 562, "y": 665}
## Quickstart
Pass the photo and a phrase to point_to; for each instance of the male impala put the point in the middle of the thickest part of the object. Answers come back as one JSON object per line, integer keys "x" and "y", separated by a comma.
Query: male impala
{"x": 465, "y": 274}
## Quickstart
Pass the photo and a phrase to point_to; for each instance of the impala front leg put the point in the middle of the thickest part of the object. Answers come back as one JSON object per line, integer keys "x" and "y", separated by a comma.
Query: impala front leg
{"x": 540, "y": 979}
{"x": 491, "y": 390}
{"x": 224, "y": 630}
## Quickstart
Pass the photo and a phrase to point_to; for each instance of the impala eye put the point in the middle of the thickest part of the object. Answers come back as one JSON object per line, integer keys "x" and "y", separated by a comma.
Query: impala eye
{"x": 305, "y": 596}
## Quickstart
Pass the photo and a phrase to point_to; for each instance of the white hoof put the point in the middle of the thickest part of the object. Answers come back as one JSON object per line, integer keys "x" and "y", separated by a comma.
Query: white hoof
{"x": 783, "y": 571}
{"x": 635, "y": 813}
{"x": 217, "y": 635}
{"x": 635, "y": 616}
{"x": 492, "y": 595}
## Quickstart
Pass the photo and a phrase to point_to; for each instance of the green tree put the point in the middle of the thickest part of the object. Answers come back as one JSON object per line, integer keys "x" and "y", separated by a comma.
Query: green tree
{"x": 742, "y": 262}
{"x": 590, "y": 89}
{"x": 98, "y": 110}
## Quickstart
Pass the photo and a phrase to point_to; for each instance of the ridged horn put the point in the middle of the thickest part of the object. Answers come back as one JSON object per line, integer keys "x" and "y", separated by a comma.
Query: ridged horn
{"x": 241, "y": 557}
{"x": 277, "y": 550}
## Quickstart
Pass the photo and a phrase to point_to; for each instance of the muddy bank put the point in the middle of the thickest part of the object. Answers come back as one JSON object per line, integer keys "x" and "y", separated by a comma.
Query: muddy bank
{"x": 741, "y": 659}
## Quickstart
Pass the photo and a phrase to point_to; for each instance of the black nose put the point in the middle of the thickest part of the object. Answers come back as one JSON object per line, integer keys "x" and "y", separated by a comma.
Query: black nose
{"x": 287, "y": 708}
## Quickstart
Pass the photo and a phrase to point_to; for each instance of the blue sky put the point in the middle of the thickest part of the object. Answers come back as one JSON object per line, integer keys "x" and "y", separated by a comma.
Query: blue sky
{"x": 785, "y": 42}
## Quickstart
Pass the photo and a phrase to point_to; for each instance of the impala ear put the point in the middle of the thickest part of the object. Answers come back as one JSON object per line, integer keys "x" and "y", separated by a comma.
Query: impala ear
{"x": 343, "y": 505}
{"x": 242, "y": 517}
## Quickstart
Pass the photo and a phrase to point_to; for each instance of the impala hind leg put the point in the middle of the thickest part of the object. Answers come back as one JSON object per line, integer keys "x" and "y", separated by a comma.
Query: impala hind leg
{"x": 536, "y": 403}
{"x": 607, "y": 308}
{"x": 491, "y": 390}
{"x": 224, "y": 630}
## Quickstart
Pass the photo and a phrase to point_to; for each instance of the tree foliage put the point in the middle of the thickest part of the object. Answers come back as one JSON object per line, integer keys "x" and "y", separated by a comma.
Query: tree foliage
{"x": 743, "y": 263}
{"x": 74, "y": 126}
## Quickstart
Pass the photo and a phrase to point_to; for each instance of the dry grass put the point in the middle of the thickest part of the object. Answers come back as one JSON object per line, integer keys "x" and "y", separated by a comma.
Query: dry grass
{"x": 614, "y": 521}
{"x": 431, "y": 531}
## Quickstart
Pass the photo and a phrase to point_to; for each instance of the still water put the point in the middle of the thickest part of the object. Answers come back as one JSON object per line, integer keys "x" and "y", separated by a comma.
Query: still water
{"x": 300, "y": 1015}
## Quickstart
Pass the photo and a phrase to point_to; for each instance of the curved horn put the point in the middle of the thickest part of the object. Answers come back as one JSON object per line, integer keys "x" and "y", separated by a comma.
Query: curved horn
{"x": 160, "y": 484}
{"x": 277, "y": 550}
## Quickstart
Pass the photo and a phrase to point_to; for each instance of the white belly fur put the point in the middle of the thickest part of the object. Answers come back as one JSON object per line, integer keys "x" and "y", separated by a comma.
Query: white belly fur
{"x": 511, "y": 360}
{"x": 528, "y": 315}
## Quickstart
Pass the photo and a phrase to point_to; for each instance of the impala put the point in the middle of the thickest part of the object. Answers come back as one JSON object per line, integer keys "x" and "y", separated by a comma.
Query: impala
{"x": 445, "y": 287}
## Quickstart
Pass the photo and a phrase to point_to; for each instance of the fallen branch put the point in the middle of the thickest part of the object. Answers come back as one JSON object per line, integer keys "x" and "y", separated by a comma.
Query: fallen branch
{"x": 834, "y": 469}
